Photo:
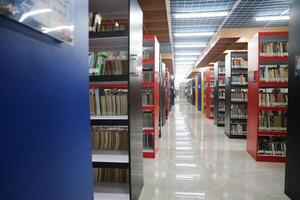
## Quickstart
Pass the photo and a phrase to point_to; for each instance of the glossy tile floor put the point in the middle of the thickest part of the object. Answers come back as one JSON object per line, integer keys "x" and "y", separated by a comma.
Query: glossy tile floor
{"x": 197, "y": 161}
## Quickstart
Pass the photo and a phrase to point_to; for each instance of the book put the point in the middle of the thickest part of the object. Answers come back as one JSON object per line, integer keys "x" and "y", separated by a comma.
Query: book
{"x": 109, "y": 138}
{"x": 106, "y": 63}
{"x": 273, "y": 121}
{"x": 272, "y": 49}
{"x": 273, "y": 73}
{"x": 272, "y": 146}
{"x": 273, "y": 97}
{"x": 108, "y": 101}
{"x": 112, "y": 175}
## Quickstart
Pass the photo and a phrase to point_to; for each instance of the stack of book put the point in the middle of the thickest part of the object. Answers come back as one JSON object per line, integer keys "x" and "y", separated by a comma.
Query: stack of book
{"x": 95, "y": 21}
{"x": 221, "y": 93}
{"x": 222, "y": 106}
{"x": 272, "y": 121}
{"x": 108, "y": 101}
{"x": 272, "y": 146}
{"x": 97, "y": 24}
{"x": 239, "y": 111}
{"x": 148, "y": 52}
{"x": 239, "y": 95}
{"x": 239, "y": 62}
{"x": 274, "y": 49}
{"x": 238, "y": 129}
{"x": 148, "y": 141}
{"x": 273, "y": 97}
{"x": 239, "y": 80}
{"x": 148, "y": 119}
{"x": 105, "y": 138}
{"x": 147, "y": 96}
{"x": 222, "y": 83}
{"x": 148, "y": 76}
{"x": 274, "y": 73}
{"x": 108, "y": 63}
{"x": 112, "y": 175}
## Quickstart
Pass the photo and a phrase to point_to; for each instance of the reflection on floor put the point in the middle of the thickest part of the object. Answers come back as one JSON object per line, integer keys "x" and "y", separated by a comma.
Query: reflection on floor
{"x": 197, "y": 161}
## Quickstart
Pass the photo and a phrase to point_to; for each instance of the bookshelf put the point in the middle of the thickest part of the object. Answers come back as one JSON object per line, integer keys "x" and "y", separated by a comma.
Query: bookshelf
{"x": 236, "y": 92}
{"x": 191, "y": 92}
{"x": 116, "y": 98}
{"x": 267, "y": 110}
{"x": 209, "y": 92}
{"x": 219, "y": 98}
{"x": 292, "y": 173}
{"x": 150, "y": 96}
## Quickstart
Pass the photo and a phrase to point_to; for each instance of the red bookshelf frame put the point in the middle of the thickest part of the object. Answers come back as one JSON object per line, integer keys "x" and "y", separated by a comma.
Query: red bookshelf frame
{"x": 254, "y": 61}
{"x": 209, "y": 112}
{"x": 151, "y": 39}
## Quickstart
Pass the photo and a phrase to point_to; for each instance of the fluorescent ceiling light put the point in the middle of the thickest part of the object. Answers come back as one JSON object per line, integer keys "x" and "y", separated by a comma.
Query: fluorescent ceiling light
{"x": 188, "y": 54}
{"x": 273, "y": 18}
{"x": 198, "y": 34}
{"x": 185, "y": 63}
{"x": 189, "y": 45}
{"x": 34, "y": 12}
{"x": 200, "y": 15}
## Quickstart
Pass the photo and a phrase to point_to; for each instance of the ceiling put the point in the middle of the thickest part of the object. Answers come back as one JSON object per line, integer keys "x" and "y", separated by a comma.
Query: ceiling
{"x": 240, "y": 14}
{"x": 156, "y": 19}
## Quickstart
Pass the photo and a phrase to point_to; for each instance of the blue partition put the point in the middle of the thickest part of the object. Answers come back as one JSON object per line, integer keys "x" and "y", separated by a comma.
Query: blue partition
{"x": 45, "y": 141}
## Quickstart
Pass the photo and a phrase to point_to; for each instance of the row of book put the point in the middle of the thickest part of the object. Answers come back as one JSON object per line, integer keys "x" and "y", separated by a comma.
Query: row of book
{"x": 239, "y": 111}
{"x": 238, "y": 129}
{"x": 274, "y": 121}
{"x": 112, "y": 175}
{"x": 95, "y": 20}
{"x": 148, "y": 119}
{"x": 273, "y": 97}
{"x": 221, "y": 118}
{"x": 222, "y": 106}
{"x": 148, "y": 76}
{"x": 222, "y": 83}
{"x": 147, "y": 96}
{"x": 239, "y": 79}
{"x": 239, "y": 95}
{"x": 239, "y": 62}
{"x": 108, "y": 63}
{"x": 272, "y": 146}
{"x": 148, "y": 141}
{"x": 109, "y": 138}
{"x": 221, "y": 70}
{"x": 272, "y": 49}
{"x": 148, "y": 52}
{"x": 108, "y": 101}
{"x": 97, "y": 24}
{"x": 274, "y": 74}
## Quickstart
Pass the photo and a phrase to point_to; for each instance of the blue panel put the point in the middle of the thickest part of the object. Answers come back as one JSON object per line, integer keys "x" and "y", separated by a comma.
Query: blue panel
{"x": 45, "y": 146}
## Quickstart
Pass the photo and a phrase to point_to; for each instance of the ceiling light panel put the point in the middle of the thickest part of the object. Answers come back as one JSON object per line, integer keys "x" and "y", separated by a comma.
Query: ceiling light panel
{"x": 200, "y": 14}
{"x": 273, "y": 18}
{"x": 194, "y": 34}
{"x": 245, "y": 14}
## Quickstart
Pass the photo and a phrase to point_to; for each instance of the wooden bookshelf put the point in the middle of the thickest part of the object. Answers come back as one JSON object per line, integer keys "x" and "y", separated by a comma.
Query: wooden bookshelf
{"x": 236, "y": 84}
{"x": 265, "y": 142}
{"x": 219, "y": 98}
{"x": 151, "y": 83}
{"x": 129, "y": 157}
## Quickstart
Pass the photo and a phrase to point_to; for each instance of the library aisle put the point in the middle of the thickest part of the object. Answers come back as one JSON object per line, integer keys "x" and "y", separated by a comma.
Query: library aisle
{"x": 197, "y": 161}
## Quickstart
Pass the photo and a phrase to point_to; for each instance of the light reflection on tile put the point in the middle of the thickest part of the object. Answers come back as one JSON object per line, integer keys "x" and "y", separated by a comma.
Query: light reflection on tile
{"x": 213, "y": 165}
